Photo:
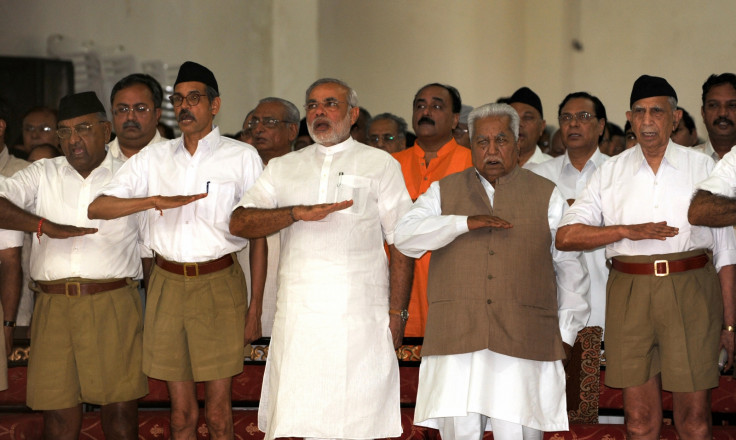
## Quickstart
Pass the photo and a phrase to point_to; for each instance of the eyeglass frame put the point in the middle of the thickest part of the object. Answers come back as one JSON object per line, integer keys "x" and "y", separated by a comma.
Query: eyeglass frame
{"x": 123, "y": 109}
{"x": 38, "y": 128}
{"x": 179, "y": 97}
{"x": 582, "y": 117}
{"x": 87, "y": 128}
{"x": 384, "y": 137}
{"x": 329, "y": 104}
{"x": 268, "y": 123}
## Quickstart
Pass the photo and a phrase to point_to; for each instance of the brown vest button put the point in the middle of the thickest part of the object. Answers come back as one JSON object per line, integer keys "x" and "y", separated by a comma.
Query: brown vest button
{"x": 488, "y": 301}
{"x": 490, "y": 277}
{"x": 491, "y": 253}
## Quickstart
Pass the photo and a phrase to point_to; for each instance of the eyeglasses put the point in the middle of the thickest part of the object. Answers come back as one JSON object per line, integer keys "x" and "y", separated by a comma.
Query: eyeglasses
{"x": 459, "y": 131}
{"x": 386, "y": 138}
{"x": 329, "y": 104}
{"x": 567, "y": 118}
{"x": 81, "y": 129}
{"x": 192, "y": 99}
{"x": 269, "y": 122}
{"x": 137, "y": 109}
{"x": 38, "y": 128}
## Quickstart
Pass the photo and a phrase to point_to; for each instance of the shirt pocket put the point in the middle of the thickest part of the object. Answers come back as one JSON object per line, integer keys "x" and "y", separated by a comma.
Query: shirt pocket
{"x": 220, "y": 200}
{"x": 355, "y": 188}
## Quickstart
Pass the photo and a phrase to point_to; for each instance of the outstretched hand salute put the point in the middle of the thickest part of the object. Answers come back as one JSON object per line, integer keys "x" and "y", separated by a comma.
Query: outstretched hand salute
{"x": 311, "y": 213}
{"x": 650, "y": 231}
{"x": 55, "y": 230}
{"x": 487, "y": 221}
{"x": 168, "y": 202}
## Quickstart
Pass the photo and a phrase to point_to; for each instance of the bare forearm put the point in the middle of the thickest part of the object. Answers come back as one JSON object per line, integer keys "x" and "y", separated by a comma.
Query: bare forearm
{"x": 258, "y": 254}
{"x": 708, "y": 209}
{"x": 11, "y": 280}
{"x": 401, "y": 275}
{"x": 727, "y": 276}
{"x": 14, "y": 218}
{"x": 257, "y": 223}
{"x": 110, "y": 207}
{"x": 580, "y": 237}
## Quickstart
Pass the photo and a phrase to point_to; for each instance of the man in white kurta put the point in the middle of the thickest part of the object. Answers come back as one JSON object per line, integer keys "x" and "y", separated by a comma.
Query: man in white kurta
{"x": 334, "y": 290}
{"x": 460, "y": 393}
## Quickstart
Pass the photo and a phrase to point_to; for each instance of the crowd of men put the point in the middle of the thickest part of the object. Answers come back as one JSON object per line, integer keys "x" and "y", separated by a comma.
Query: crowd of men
{"x": 163, "y": 258}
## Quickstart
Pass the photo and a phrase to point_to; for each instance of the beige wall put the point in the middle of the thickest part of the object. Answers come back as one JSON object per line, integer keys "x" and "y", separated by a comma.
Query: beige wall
{"x": 387, "y": 49}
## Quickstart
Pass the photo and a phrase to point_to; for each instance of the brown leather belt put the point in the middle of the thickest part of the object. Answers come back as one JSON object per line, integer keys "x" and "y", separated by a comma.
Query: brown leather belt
{"x": 81, "y": 288}
{"x": 194, "y": 269}
{"x": 660, "y": 268}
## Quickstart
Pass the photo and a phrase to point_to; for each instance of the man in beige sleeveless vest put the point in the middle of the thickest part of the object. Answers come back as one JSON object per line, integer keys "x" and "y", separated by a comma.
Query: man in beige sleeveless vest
{"x": 496, "y": 332}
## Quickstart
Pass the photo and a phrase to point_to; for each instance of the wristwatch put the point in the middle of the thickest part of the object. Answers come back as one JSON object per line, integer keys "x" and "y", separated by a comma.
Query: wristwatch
{"x": 403, "y": 313}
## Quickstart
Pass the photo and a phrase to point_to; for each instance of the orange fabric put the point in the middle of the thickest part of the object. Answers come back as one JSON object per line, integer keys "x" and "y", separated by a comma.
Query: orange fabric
{"x": 451, "y": 158}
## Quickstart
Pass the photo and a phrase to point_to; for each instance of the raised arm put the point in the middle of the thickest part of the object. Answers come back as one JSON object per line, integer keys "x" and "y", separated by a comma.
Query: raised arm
{"x": 708, "y": 209}
{"x": 580, "y": 237}
{"x": 12, "y": 217}
{"x": 110, "y": 207}
{"x": 257, "y": 222}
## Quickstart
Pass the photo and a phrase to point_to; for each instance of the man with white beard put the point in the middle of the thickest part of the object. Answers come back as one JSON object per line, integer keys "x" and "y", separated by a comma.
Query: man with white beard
{"x": 334, "y": 203}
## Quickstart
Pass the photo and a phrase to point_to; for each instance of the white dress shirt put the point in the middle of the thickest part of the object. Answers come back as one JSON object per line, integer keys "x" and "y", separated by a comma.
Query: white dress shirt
{"x": 722, "y": 180}
{"x": 537, "y": 157}
{"x": 482, "y": 381}
{"x": 114, "y": 146}
{"x": 199, "y": 231}
{"x": 333, "y": 287}
{"x": 707, "y": 149}
{"x": 571, "y": 184}
{"x": 10, "y": 239}
{"x": 52, "y": 189}
{"x": 625, "y": 191}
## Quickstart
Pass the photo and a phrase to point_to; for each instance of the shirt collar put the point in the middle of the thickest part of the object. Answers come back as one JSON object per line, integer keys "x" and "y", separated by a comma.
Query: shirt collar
{"x": 105, "y": 167}
{"x": 342, "y": 146}
{"x": 595, "y": 161}
{"x": 206, "y": 144}
{"x": 672, "y": 157}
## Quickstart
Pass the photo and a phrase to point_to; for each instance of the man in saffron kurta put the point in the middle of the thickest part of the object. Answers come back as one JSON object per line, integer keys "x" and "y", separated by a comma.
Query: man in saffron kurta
{"x": 434, "y": 155}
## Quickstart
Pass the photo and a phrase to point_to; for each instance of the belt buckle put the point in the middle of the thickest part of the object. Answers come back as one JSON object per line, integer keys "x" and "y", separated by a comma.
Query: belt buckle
{"x": 666, "y": 272}
{"x": 196, "y": 270}
{"x": 72, "y": 283}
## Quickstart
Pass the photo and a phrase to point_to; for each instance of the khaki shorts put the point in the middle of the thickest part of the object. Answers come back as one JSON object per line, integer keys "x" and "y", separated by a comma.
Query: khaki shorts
{"x": 669, "y": 325}
{"x": 86, "y": 349}
{"x": 195, "y": 325}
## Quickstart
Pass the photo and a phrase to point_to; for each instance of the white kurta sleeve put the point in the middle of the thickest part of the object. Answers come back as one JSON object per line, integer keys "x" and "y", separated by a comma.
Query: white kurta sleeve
{"x": 263, "y": 192}
{"x": 424, "y": 228}
{"x": 573, "y": 283}
{"x": 722, "y": 180}
{"x": 393, "y": 199}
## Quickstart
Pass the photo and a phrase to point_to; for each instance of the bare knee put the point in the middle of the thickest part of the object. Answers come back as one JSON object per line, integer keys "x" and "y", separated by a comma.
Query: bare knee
{"x": 693, "y": 423}
{"x": 643, "y": 423}
{"x": 184, "y": 419}
{"x": 219, "y": 420}
{"x": 62, "y": 424}
{"x": 120, "y": 420}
